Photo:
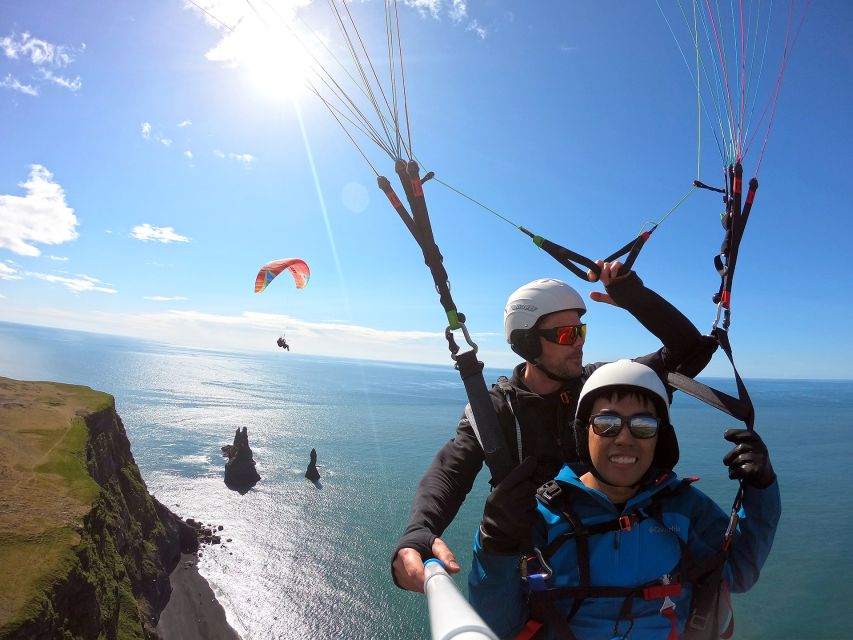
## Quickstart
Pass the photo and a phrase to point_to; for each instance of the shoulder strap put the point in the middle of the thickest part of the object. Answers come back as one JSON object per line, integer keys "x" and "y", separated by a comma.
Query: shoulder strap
{"x": 509, "y": 393}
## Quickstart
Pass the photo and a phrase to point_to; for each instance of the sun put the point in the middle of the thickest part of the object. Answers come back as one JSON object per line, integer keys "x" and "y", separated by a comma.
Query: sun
{"x": 279, "y": 67}
{"x": 275, "y": 57}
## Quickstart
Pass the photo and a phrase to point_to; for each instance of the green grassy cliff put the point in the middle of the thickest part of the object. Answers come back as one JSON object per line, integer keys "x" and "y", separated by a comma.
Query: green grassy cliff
{"x": 86, "y": 550}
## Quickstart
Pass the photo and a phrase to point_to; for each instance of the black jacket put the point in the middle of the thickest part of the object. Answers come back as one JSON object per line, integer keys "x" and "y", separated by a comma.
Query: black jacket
{"x": 542, "y": 425}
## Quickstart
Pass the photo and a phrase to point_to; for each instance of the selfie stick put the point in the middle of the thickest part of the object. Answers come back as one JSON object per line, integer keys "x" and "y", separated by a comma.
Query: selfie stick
{"x": 450, "y": 615}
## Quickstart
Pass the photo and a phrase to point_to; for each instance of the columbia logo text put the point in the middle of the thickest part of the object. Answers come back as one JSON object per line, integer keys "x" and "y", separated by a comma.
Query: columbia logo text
{"x": 674, "y": 528}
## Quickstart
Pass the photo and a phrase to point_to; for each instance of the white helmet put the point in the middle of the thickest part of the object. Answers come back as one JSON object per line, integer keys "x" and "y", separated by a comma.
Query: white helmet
{"x": 529, "y": 303}
{"x": 627, "y": 373}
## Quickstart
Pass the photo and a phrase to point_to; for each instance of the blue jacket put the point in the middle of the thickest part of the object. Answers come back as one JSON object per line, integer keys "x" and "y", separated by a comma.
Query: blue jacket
{"x": 628, "y": 558}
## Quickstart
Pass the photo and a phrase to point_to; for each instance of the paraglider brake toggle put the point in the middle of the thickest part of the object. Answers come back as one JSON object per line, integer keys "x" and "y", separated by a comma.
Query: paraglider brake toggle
{"x": 702, "y": 185}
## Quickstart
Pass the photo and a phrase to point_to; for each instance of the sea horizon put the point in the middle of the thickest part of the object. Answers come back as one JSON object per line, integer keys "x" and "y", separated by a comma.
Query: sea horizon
{"x": 412, "y": 363}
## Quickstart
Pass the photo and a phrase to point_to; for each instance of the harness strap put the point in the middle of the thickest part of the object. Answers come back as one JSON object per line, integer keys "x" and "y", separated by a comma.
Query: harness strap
{"x": 653, "y": 591}
{"x": 481, "y": 414}
{"x": 509, "y": 395}
{"x": 470, "y": 369}
{"x": 553, "y": 620}
{"x": 706, "y": 576}
{"x": 556, "y": 495}
{"x": 530, "y": 630}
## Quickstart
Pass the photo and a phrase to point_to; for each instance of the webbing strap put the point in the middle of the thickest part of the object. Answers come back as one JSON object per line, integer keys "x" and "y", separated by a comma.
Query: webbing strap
{"x": 571, "y": 259}
{"x": 530, "y": 630}
{"x": 568, "y": 258}
{"x": 632, "y": 248}
{"x": 410, "y": 179}
{"x": 484, "y": 418}
{"x": 737, "y": 215}
{"x": 740, "y": 407}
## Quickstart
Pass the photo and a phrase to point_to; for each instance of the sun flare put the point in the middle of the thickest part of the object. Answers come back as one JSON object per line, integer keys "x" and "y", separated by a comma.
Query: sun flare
{"x": 279, "y": 68}
{"x": 270, "y": 50}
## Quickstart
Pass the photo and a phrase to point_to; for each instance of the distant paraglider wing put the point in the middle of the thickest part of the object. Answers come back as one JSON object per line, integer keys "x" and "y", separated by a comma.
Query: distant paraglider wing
{"x": 298, "y": 269}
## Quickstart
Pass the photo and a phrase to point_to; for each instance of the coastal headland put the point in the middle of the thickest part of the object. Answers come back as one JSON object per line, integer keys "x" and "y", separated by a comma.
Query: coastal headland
{"x": 87, "y": 551}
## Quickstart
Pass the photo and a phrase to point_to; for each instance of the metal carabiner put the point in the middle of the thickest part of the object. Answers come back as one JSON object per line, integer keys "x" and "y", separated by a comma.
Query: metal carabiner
{"x": 449, "y": 332}
{"x": 536, "y": 581}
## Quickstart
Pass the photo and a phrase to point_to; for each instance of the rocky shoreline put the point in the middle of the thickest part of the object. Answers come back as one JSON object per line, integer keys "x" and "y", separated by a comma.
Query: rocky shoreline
{"x": 193, "y": 613}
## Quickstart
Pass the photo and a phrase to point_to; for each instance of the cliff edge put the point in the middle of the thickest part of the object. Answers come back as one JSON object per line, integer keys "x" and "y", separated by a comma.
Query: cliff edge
{"x": 86, "y": 551}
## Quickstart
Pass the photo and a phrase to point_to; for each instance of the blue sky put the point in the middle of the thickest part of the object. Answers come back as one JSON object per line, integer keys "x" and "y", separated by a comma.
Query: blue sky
{"x": 155, "y": 159}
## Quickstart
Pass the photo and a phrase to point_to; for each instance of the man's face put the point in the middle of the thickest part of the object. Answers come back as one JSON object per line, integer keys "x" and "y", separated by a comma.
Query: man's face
{"x": 563, "y": 360}
{"x": 622, "y": 461}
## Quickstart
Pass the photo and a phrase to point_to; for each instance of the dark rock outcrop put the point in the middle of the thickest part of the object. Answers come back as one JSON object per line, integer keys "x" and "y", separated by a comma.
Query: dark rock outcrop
{"x": 240, "y": 472}
{"x": 311, "y": 473}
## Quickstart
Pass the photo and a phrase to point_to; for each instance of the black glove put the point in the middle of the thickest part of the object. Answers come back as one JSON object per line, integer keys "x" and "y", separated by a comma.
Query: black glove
{"x": 749, "y": 460}
{"x": 510, "y": 511}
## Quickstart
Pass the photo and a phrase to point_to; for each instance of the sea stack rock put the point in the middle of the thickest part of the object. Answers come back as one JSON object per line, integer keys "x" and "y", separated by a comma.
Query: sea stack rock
{"x": 240, "y": 472}
{"x": 312, "y": 474}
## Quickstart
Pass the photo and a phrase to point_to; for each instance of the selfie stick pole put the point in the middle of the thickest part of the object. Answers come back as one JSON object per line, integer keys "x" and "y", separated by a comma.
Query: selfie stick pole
{"x": 450, "y": 615}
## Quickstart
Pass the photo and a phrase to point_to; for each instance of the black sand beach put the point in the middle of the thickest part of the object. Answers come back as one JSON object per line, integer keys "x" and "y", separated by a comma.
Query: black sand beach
{"x": 193, "y": 612}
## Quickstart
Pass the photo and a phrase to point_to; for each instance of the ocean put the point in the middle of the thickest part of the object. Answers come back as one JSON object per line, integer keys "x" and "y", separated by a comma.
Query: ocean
{"x": 305, "y": 562}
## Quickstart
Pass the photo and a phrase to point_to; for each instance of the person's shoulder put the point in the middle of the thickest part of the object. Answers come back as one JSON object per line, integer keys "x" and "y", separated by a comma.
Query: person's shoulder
{"x": 686, "y": 497}
{"x": 589, "y": 369}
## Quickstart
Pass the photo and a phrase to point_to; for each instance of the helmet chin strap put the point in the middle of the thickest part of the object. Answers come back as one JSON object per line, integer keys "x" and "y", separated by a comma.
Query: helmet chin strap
{"x": 553, "y": 376}
{"x": 601, "y": 478}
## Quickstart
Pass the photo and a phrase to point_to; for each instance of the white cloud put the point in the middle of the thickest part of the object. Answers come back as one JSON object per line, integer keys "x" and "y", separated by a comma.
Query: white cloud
{"x": 165, "y": 298}
{"x": 185, "y": 123}
{"x": 188, "y": 154}
{"x": 146, "y": 232}
{"x": 40, "y": 52}
{"x": 458, "y": 10}
{"x": 148, "y": 133}
{"x": 476, "y": 28}
{"x": 16, "y": 85}
{"x": 245, "y": 158}
{"x": 82, "y": 283}
{"x": 9, "y": 273}
{"x": 433, "y": 7}
{"x": 44, "y": 57}
{"x": 59, "y": 258}
{"x": 66, "y": 83}
{"x": 249, "y": 331}
{"x": 308, "y": 336}
{"x": 40, "y": 217}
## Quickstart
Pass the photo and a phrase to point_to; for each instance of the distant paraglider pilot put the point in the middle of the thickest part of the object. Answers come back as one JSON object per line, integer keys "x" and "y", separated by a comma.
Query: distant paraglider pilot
{"x": 283, "y": 343}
